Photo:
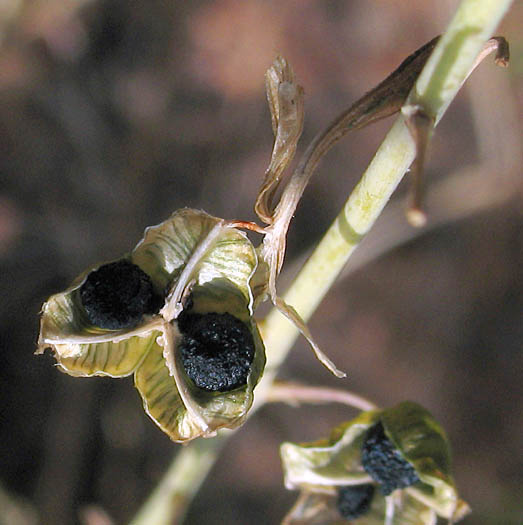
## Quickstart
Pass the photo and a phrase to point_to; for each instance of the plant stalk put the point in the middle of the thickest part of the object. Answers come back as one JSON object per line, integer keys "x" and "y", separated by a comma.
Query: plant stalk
{"x": 444, "y": 73}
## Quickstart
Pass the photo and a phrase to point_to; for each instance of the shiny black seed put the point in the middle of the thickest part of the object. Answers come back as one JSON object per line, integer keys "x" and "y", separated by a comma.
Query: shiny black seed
{"x": 117, "y": 295}
{"x": 217, "y": 350}
{"x": 354, "y": 500}
{"x": 384, "y": 463}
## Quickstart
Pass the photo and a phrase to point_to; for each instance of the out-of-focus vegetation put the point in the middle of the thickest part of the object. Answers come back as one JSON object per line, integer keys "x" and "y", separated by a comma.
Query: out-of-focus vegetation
{"x": 115, "y": 113}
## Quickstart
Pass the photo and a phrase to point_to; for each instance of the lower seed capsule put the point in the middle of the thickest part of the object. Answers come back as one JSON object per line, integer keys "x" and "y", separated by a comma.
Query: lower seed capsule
{"x": 117, "y": 295}
{"x": 217, "y": 350}
{"x": 384, "y": 463}
{"x": 354, "y": 500}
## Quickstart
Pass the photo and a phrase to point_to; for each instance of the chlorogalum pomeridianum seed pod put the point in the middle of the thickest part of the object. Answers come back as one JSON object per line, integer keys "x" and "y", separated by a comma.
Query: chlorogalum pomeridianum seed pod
{"x": 324, "y": 471}
{"x": 177, "y": 312}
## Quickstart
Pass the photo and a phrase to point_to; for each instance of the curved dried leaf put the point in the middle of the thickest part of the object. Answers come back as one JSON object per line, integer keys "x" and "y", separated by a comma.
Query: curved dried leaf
{"x": 286, "y": 104}
{"x": 294, "y": 317}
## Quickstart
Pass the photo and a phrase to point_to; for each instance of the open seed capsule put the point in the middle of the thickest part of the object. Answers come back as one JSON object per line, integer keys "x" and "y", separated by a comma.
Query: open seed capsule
{"x": 412, "y": 455}
{"x": 183, "y": 292}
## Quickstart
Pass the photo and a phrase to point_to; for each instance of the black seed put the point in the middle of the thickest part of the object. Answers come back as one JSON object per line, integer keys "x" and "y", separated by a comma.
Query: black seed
{"x": 217, "y": 350}
{"x": 354, "y": 500}
{"x": 117, "y": 295}
{"x": 384, "y": 463}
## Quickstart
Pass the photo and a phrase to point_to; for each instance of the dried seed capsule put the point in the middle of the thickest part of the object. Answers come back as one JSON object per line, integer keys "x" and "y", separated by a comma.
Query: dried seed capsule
{"x": 384, "y": 463}
{"x": 217, "y": 350}
{"x": 117, "y": 295}
{"x": 354, "y": 500}
{"x": 97, "y": 325}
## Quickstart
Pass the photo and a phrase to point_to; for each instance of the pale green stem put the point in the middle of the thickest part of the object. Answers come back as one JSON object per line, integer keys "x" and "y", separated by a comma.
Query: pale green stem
{"x": 445, "y": 71}
{"x": 170, "y": 499}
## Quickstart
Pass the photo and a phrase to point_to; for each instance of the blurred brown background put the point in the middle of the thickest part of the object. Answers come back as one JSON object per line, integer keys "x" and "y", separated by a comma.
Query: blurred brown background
{"x": 115, "y": 113}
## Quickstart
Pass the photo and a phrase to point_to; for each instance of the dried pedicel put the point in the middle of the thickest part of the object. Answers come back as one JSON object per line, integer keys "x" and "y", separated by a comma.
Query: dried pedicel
{"x": 186, "y": 284}
{"x": 323, "y": 471}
